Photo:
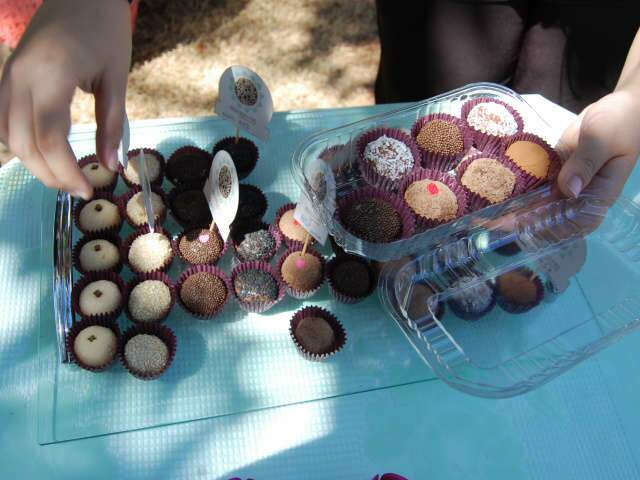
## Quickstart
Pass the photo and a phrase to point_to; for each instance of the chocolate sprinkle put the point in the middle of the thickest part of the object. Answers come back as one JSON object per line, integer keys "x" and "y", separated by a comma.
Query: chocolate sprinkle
{"x": 373, "y": 220}
{"x": 203, "y": 293}
{"x": 190, "y": 166}
{"x": 256, "y": 246}
{"x": 252, "y": 204}
{"x": 190, "y": 207}
{"x": 194, "y": 251}
{"x": 255, "y": 286}
{"x": 439, "y": 136}
{"x": 352, "y": 278}
{"x": 244, "y": 154}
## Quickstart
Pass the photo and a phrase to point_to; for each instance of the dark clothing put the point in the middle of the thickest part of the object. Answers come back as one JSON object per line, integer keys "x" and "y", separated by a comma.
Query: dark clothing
{"x": 570, "y": 51}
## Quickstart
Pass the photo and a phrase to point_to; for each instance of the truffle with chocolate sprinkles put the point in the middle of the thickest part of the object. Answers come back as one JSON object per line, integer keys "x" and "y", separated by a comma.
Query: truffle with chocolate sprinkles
{"x": 256, "y": 246}
{"x": 255, "y": 286}
{"x": 190, "y": 207}
{"x": 146, "y": 354}
{"x": 373, "y": 220}
{"x": 252, "y": 203}
{"x": 244, "y": 154}
{"x": 200, "y": 246}
{"x": 203, "y": 293}
{"x": 352, "y": 277}
{"x": 438, "y": 136}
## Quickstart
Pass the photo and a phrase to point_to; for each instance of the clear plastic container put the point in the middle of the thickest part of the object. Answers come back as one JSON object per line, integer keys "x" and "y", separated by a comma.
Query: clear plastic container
{"x": 504, "y": 299}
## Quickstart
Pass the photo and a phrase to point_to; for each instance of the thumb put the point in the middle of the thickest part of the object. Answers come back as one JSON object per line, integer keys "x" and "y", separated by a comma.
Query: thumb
{"x": 110, "y": 110}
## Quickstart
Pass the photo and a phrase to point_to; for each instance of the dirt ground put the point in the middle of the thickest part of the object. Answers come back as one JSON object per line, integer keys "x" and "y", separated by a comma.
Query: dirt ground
{"x": 311, "y": 53}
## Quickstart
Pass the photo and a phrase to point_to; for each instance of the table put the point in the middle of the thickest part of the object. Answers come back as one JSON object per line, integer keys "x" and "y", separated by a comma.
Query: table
{"x": 583, "y": 425}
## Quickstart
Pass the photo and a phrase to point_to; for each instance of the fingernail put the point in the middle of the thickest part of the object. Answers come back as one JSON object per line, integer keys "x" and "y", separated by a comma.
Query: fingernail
{"x": 575, "y": 185}
{"x": 112, "y": 160}
{"x": 84, "y": 194}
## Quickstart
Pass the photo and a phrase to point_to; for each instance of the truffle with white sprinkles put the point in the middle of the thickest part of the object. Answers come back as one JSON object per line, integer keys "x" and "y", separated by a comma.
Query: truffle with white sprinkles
{"x": 471, "y": 301}
{"x": 146, "y": 354}
{"x": 255, "y": 286}
{"x": 256, "y": 246}
{"x": 493, "y": 119}
{"x": 149, "y": 300}
{"x": 389, "y": 157}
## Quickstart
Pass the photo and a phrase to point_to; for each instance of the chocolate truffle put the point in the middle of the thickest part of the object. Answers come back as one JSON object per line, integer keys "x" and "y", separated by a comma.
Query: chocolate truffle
{"x": 420, "y": 301}
{"x": 530, "y": 157}
{"x": 189, "y": 166}
{"x": 519, "y": 290}
{"x": 132, "y": 172}
{"x": 99, "y": 214}
{"x": 201, "y": 246}
{"x": 98, "y": 255}
{"x": 471, "y": 301}
{"x": 149, "y": 301}
{"x": 493, "y": 119}
{"x": 315, "y": 335}
{"x": 255, "y": 286}
{"x": 98, "y": 176}
{"x": 101, "y": 297}
{"x": 190, "y": 207}
{"x": 203, "y": 293}
{"x": 252, "y": 204}
{"x": 146, "y": 354}
{"x": 254, "y": 243}
{"x": 150, "y": 252}
{"x": 373, "y": 219}
{"x": 291, "y": 228}
{"x": 352, "y": 277}
{"x": 244, "y": 154}
{"x": 302, "y": 272}
{"x": 95, "y": 346}
{"x": 390, "y": 158}
{"x": 432, "y": 200}
{"x": 489, "y": 179}
{"x": 440, "y": 137}
{"x": 136, "y": 211}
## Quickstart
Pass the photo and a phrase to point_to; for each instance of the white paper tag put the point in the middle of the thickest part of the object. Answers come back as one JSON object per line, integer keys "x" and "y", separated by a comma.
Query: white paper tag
{"x": 123, "y": 147}
{"x": 222, "y": 192}
{"x": 561, "y": 266}
{"x": 244, "y": 99}
{"x": 323, "y": 183}
{"x": 146, "y": 190}
{"x": 307, "y": 215}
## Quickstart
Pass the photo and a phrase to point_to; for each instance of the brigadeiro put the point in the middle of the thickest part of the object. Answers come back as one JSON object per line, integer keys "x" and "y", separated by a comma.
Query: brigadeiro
{"x": 317, "y": 333}
{"x": 98, "y": 295}
{"x": 423, "y": 306}
{"x": 154, "y": 162}
{"x": 100, "y": 178}
{"x": 135, "y": 211}
{"x": 433, "y": 197}
{"x": 148, "y": 251}
{"x": 303, "y": 273}
{"x": 443, "y": 139}
{"x": 189, "y": 206}
{"x": 255, "y": 242}
{"x": 203, "y": 290}
{"x": 101, "y": 214}
{"x": 518, "y": 291}
{"x": 201, "y": 246}
{"x": 256, "y": 286}
{"x": 386, "y": 156}
{"x": 189, "y": 166}
{"x": 472, "y": 298}
{"x": 97, "y": 253}
{"x": 148, "y": 350}
{"x": 534, "y": 157}
{"x": 150, "y": 297}
{"x": 491, "y": 120}
{"x": 93, "y": 343}
{"x": 293, "y": 234}
{"x": 376, "y": 216}
{"x": 243, "y": 152}
{"x": 351, "y": 279}
{"x": 252, "y": 204}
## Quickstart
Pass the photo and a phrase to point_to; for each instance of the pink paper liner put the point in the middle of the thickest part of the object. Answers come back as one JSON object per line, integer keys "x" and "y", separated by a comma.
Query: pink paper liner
{"x": 242, "y": 174}
{"x": 313, "y": 311}
{"x": 92, "y": 277}
{"x": 257, "y": 307}
{"x": 440, "y": 161}
{"x": 164, "y": 278}
{"x": 555, "y": 164}
{"x": 96, "y": 196}
{"x": 483, "y": 141}
{"x": 476, "y": 202}
{"x": 77, "y": 327}
{"x": 141, "y": 231}
{"x": 176, "y": 157}
{"x": 136, "y": 189}
{"x": 84, "y": 161}
{"x": 264, "y": 209}
{"x": 171, "y": 197}
{"x": 175, "y": 244}
{"x": 516, "y": 308}
{"x": 369, "y": 174}
{"x": 209, "y": 269}
{"x": 163, "y": 332}
{"x": 406, "y": 216}
{"x": 110, "y": 237}
{"x": 294, "y": 292}
{"x": 273, "y": 230}
{"x": 424, "y": 223}
{"x": 290, "y": 243}
{"x": 341, "y": 296}
{"x": 133, "y": 154}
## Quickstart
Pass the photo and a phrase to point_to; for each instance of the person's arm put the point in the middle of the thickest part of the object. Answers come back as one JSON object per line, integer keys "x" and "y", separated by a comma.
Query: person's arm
{"x": 602, "y": 146}
{"x": 68, "y": 44}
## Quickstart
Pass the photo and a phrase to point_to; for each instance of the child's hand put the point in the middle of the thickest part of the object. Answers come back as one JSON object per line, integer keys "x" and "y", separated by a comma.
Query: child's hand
{"x": 602, "y": 146}
{"x": 69, "y": 44}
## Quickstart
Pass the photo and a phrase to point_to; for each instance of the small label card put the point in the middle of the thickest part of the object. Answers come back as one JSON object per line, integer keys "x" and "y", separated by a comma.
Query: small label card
{"x": 307, "y": 215}
{"x": 146, "y": 190}
{"x": 222, "y": 192}
{"x": 123, "y": 147}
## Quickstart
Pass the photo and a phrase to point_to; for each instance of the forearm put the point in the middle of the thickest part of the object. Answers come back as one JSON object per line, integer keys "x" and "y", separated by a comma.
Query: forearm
{"x": 630, "y": 76}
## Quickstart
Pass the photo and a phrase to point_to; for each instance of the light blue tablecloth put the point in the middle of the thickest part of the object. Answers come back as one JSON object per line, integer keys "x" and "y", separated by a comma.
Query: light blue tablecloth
{"x": 583, "y": 425}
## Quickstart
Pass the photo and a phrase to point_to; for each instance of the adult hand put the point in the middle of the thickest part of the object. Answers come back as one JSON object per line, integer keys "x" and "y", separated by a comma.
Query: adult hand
{"x": 68, "y": 44}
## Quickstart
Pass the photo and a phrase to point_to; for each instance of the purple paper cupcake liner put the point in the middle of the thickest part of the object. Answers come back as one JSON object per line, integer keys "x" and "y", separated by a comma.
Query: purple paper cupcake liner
{"x": 80, "y": 285}
{"x": 110, "y": 237}
{"x": 172, "y": 164}
{"x": 90, "y": 322}
{"x": 257, "y": 307}
{"x": 134, "y": 154}
{"x": 339, "y": 331}
{"x": 208, "y": 269}
{"x": 516, "y": 308}
{"x": 483, "y": 141}
{"x": 255, "y": 153}
{"x": 475, "y": 201}
{"x": 369, "y": 173}
{"x": 164, "y": 278}
{"x": 555, "y": 164}
{"x": 124, "y": 199}
{"x": 141, "y": 231}
{"x": 96, "y": 196}
{"x": 406, "y": 216}
{"x": 84, "y": 161}
{"x": 440, "y": 161}
{"x": 289, "y": 242}
{"x": 292, "y": 291}
{"x": 341, "y": 296}
{"x": 163, "y": 332}
{"x": 423, "y": 223}
{"x": 472, "y": 316}
{"x": 272, "y": 229}
{"x": 175, "y": 244}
